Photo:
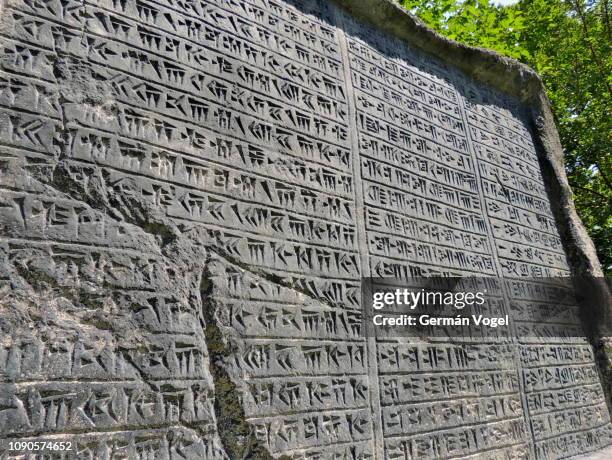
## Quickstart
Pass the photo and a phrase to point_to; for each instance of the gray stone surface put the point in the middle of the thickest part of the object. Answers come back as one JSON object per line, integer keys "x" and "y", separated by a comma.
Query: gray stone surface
{"x": 190, "y": 192}
{"x": 604, "y": 454}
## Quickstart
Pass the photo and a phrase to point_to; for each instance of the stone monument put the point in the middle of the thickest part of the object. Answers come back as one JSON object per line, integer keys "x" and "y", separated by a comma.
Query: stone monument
{"x": 190, "y": 194}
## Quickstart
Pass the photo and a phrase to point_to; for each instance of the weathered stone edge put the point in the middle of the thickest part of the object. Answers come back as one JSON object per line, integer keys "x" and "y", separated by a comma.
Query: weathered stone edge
{"x": 510, "y": 77}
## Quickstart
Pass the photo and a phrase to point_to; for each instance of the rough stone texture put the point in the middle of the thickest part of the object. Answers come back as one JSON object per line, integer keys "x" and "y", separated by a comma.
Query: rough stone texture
{"x": 190, "y": 192}
{"x": 604, "y": 454}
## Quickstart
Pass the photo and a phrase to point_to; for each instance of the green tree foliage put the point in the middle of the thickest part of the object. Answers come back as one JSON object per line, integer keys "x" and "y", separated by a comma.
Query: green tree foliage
{"x": 568, "y": 43}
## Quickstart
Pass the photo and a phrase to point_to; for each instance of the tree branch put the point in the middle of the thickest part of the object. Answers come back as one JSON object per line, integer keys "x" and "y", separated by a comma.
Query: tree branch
{"x": 603, "y": 175}
{"x": 586, "y": 32}
{"x": 590, "y": 191}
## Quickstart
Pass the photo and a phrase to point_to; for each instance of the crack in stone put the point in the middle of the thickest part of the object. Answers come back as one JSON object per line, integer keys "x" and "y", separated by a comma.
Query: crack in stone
{"x": 237, "y": 435}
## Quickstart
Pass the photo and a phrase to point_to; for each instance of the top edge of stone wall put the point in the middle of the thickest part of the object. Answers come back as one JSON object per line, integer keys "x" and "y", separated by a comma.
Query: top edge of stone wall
{"x": 512, "y": 78}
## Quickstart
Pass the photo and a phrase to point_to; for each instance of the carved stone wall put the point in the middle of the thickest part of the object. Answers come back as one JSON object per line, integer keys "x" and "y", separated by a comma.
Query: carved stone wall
{"x": 190, "y": 192}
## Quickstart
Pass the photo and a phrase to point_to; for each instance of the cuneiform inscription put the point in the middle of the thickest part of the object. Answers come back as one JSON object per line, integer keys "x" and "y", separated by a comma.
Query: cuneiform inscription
{"x": 173, "y": 167}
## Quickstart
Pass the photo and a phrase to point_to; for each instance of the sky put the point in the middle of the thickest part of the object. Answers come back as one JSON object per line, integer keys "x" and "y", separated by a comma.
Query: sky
{"x": 504, "y": 2}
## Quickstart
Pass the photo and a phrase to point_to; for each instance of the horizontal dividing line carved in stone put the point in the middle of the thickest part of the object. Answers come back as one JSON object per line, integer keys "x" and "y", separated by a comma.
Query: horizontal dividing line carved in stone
{"x": 232, "y": 197}
{"x": 512, "y": 123}
{"x": 529, "y": 153}
{"x": 181, "y": 119}
{"x": 454, "y": 372}
{"x": 329, "y": 448}
{"x": 192, "y": 152}
{"x": 101, "y": 431}
{"x": 298, "y": 339}
{"x": 320, "y": 411}
{"x": 525, "y": 197}
{"x": 392, "y": 193}
{"x": 411, "y": 240}
{"x": 417, "y": 157}
{"x": 518, "y": 223}
{"x": 571, "y": 431}
{"x": 481, "y": 452}
{"x": 441, "y": 265}
{"x": 204, "y": 71}
{"x": 547, "y": 323}
{"x": 293, "y": 374}
{"x": 422, "y": 239}
{"x": 430, "y": 182}
{"x": 111, "y": 39}
{"x": 233, "y": 12}
{"x": 204, "y": 160}
{"x": 449, "y": 398}
{"x": 18, "y": 110}
{"x": 401, "y": 62}
{"x": 401, "y": 109}
{"x": 41, "y": 383}
{"x": 397, "y": 170}
{"x": 505, "y": 257}
{"x": 365, "y": 130}
{"x": 565, "y": 364}
{"x": 496, "y": 167}
{"x": 555, "y": 410}
{"x": 416, "y": 214}
{"x": 192, "y": 187}
{"x": 559, "y": 250}
{"x": 292, "y": 15}
{"x": 264, "y": 47}
{"x": 288, "y": 272}
{"x": 320, "y": 24}
{"x": 40, "y": 242}
{"x": 451, "y": 427}
{"x": 444, "y": 429}
{"x": 249, "y": 299}
{"x": 498, "y": 149}
{"x": 187, "y": 38}
{"x": 392, "y": 102}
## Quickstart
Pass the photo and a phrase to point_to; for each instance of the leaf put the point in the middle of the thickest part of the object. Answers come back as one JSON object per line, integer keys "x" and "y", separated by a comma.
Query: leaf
{"x": 571, "y": 50}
